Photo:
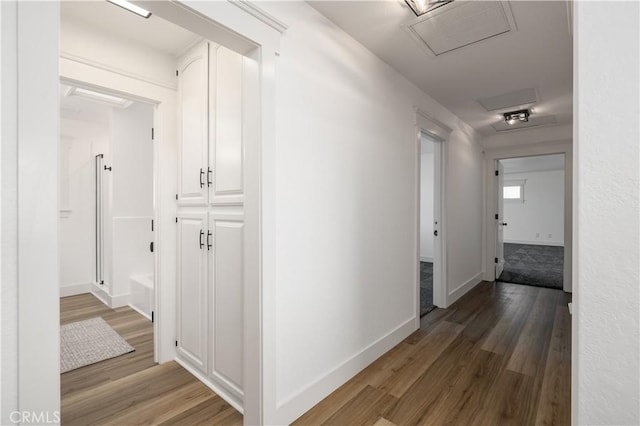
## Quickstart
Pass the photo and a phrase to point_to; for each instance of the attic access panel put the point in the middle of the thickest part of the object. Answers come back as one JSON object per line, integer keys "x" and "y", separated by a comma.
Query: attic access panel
{"x": 461, "y": 24}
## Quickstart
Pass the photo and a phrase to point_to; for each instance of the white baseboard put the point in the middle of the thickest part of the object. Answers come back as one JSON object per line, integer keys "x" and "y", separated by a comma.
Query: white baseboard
{"x": 537, "y": 243}
{"x": 426, "y": 259}
{"x": 144, "y": 314}
{"x": 116, "y": 301}
{"x": 464, "y": 288}
{"x": 234, "y": 402}
{"x": 74, "y": 289}
{"x": 293, "y": 406}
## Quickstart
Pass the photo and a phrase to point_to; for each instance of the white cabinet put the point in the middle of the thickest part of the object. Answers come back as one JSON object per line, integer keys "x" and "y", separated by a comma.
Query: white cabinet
{"x": 211, "y": 296}
{"x": 226, "y": 299}
{"x": 192, "y": 318}
{"x": 225, "y": 124}
{"x": 193, "y": 114}
{"x": 210, "y": 220}
{"x": 211, "y": 149}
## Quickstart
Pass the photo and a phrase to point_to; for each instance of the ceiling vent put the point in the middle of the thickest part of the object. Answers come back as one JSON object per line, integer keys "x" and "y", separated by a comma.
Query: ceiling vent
{"x": 534, "y": 120}
{"x": 460, "y": 24}
{"x": 516, "y": 98}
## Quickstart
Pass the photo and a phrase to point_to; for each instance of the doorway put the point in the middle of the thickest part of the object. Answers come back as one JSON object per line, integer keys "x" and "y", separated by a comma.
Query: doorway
{"x": 431, "y": 269}
{"x": 106, "y": 222}
{"x": 530, "y": 220}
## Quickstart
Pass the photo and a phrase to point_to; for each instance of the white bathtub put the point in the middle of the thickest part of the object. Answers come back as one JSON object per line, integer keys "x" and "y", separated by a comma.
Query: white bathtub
{"x": 142, "y": 294}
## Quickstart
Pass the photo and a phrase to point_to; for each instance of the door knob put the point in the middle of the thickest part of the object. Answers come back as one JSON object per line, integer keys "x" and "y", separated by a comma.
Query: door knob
{"x": 504, "y": 224}
{"x": 435, "y": 232}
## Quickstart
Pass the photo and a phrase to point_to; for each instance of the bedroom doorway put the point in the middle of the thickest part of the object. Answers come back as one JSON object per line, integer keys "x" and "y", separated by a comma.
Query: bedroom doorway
{"x": 530, "y": 220}
{"x": 431, "y": 269}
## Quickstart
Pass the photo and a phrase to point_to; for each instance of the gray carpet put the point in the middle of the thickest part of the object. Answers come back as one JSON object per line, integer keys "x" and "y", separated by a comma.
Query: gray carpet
{"x": 87, "y": 342}
{"x": 540, "y": 266}
{"x": 426, "y": 288}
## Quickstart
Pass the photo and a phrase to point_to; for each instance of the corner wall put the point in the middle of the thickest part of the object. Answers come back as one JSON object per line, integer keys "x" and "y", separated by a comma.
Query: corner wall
{"x": 347, "y": 251}
{"x": 539, "y": 219}
{"x": 606, "y": 304}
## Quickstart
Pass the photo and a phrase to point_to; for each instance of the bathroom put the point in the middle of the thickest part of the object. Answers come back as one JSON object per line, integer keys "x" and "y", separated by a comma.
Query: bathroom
{"x": 106, "y": 198}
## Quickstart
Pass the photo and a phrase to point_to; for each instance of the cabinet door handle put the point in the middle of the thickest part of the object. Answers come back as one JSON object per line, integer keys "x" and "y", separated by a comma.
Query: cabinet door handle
{"x": 201, "y": 235}
{"x": 209, "y": 172}
{"x": 201, "y": 178}
{"x": 209, "y": 245}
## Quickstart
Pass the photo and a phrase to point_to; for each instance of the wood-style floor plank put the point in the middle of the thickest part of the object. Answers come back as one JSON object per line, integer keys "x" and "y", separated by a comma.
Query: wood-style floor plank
{"x": 501, "y": 355}
{"x": 556, "y": 385}
{"x": 132, "y": 389}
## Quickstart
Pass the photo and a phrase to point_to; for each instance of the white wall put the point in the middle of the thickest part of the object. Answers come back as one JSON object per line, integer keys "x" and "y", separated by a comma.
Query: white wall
{"x": 79, "y": 42}
{"x": 426, "y": 206}
{"x": 9, "y": 210}
{"x": 30, "y": 382}
{"x": 606, "y": 315}
{"x": 80, "y": 142}
{"x": 132, "y": 195}
{"x": 346, "y": 208}
{"x": 540, "y": 218}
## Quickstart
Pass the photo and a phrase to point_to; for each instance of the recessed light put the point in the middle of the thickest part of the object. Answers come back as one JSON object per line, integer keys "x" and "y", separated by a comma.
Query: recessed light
{"x": 420, "y": 7}
{"x": 99, "y": 97}
{"x": 131, "y": 8}
{"x": 513, "y": 117}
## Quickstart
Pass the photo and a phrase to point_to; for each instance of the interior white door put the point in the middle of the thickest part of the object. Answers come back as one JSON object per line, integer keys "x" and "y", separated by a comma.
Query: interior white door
{"x": 193, "y": 86}
{"x": 225, "y": 124}
{"x": 192, "y": 289}
{"x": 500, "y": 223}
{"x": 227, "y": 300}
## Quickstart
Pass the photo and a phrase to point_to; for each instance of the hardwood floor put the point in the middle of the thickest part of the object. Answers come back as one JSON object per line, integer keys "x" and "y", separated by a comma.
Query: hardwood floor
{"x": 131, "y": 389}
{"x": 501, "y": 355}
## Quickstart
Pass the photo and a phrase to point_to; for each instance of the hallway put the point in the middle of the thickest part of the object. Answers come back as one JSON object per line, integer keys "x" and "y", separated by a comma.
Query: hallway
{"x": 500, "y": 355}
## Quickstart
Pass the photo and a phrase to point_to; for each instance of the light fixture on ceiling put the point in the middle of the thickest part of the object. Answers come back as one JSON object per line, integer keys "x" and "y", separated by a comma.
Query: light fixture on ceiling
{"x": 420, "y": 7}
{"x": 131, "y": 8}
{"x": 104, "y": 98}
{"x": 519, "y": 116}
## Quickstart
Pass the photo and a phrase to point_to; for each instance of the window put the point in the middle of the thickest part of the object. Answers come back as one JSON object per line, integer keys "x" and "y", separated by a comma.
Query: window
{"x": 514, "y": 190}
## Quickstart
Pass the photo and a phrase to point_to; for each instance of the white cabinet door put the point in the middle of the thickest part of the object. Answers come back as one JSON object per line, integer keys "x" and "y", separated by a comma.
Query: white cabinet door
{"x": 225, "y": 126}
{"x": 193, "y": 107}
{"x": 227, "y": 300}
{"x": 192, "y": 289}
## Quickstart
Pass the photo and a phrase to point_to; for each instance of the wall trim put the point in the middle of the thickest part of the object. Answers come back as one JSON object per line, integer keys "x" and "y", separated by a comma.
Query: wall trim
{"x": 537, "y": 243}
{"x": 426, "y": 259}
{"x": 260, "y": 14}
{"x": 217, "y": 389}
{"x": 74, "y": 289}
{"x": 116, "y": 70}
{"x": 116, "y": 301}
{"x": 295, "y": 405}
{"x": 139, "y": 311}
{"x": 464, "y": 288}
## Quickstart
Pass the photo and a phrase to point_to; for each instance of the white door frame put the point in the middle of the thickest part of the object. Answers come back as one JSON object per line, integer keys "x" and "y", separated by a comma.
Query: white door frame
{"x": 428, "y": 125}
{"x": 490, "y": 194}
{"x": 241, "y": 26}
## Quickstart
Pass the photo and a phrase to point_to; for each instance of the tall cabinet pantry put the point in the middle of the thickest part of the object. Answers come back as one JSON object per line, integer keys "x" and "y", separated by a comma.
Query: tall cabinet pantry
{"x": 210, "y": 219}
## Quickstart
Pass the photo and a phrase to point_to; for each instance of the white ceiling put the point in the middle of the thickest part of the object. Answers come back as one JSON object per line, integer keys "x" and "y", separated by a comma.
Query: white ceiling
{"x": 539, "y": 163}
{"x": 154, "y": 32}
{"x": 78, "y": 108}
{"x": 537, "y": 54}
